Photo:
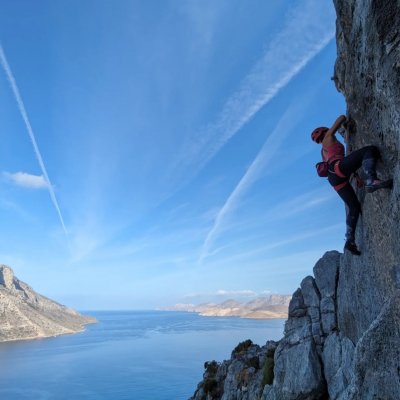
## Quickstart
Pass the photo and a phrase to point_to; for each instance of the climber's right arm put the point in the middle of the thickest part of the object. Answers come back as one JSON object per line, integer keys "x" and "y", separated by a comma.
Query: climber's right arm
{"x": 333, "y": 129}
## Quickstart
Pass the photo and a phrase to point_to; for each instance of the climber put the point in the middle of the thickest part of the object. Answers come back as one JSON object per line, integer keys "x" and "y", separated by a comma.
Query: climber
{"x": 338, "y": 168}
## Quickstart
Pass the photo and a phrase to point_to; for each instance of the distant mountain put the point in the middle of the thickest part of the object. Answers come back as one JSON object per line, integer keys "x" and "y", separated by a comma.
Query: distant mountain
{"x": 25, "y": 314}
{"x": 265, "y": 307}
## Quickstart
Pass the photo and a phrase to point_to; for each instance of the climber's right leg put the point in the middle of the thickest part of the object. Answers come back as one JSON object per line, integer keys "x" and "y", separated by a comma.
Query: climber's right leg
{"x": 366, "y": 158}
{"x": 372, "y": 182}
{"x": 357, "y": 158}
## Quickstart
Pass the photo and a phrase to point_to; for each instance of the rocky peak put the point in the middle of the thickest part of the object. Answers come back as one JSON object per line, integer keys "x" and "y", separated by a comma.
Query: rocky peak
{"x": 6, "y": 277}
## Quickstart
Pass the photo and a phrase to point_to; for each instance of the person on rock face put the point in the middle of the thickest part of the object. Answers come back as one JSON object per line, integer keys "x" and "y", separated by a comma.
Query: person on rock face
{"x": 340, "y": 168}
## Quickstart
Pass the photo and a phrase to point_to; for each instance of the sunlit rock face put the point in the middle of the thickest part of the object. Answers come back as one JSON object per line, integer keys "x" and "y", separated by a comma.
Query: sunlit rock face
{"x": 25, "y": 314}
{"x": 367, "y": 72}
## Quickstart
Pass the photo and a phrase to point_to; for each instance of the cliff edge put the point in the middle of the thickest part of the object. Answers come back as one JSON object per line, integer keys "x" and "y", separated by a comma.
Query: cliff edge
{"x": 25, "y": 314}
{"x": 342, "y": 337}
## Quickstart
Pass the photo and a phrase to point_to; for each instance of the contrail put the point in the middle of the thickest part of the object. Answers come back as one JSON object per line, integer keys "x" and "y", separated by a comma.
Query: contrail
{"x": 300, "y": 40}
{"x": 266, "y": 153}
{"x": 269, "y": 149}
{"x": 24, "y": 115}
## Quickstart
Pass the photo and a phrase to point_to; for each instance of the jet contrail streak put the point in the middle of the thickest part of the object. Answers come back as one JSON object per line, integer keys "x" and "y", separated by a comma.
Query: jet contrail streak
{"x": 21, "y": 107}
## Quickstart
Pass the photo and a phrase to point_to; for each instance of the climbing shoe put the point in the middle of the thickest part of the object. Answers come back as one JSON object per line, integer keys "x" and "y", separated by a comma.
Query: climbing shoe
{"x": 352, "y": 248}
{"x": 372, "y": 185}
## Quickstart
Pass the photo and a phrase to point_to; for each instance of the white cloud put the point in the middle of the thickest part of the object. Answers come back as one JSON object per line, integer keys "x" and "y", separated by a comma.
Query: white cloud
{"x": 27, "y": 180}
{"x": 245, "y": 292}
{"x": 223, "y": 294}
{"x": 24, "y": 115}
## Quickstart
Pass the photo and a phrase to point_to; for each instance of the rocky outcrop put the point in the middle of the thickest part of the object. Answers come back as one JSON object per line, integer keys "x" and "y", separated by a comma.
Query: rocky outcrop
{"x": 342, "y": 337}
{"x": 299, "y": 367}
{"x": 317, "y": 358}
{"x": 243, "y": 377}
{"x": 314, "y": 358}
{"x": 25, "y": 314}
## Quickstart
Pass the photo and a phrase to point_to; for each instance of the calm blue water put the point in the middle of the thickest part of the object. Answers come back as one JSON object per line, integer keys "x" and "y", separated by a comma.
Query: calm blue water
{"x": 126, "y": 356}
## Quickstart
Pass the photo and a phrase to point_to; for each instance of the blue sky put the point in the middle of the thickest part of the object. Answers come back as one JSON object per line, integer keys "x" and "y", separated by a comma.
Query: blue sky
{"x": 175, "y": 139}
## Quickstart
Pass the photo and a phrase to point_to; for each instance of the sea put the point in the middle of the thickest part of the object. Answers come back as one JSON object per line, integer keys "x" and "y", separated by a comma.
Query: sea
{"x": 127, "y": 355}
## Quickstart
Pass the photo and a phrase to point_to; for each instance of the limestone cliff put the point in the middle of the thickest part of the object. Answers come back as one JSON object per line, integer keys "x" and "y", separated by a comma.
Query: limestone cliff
{"x": 25, "y": 314}
{"x": 342, "y": 337}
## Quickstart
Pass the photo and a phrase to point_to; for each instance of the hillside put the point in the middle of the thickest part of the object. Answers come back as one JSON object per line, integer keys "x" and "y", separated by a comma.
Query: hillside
{"x": 25, "y": 314}
{"x": 265, "y": 307}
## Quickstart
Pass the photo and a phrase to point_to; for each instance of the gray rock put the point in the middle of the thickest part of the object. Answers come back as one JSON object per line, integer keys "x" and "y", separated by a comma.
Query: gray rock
{"x": 298, "y": 372}
{"x": 268, "y": 393}
{"x": 297, "y": 307}
{"x": 6, "y": 277}
{"x": 297, "y": 330}
{"x": 328, "y": 323}
{"x": 316, "y": 332}
{"x": 367, "y": 72}
{"x": 328, "y": 315}
{"x": 326, "y": 273}
{"x": 240, "y": 378}
{"x": 310, "y": 292}
{"x": 377, "y": 357}
{"x": 314, "y": 314}
{"x": 337, "y": 359}
{"x": 327, "y": 305}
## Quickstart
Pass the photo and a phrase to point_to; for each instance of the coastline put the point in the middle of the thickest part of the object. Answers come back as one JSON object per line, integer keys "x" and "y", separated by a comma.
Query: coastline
{"x": 221, "y": 315}
{"x": 44, "y": 336}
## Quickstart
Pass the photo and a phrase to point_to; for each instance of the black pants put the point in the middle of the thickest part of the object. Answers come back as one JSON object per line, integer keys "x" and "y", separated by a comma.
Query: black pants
{"x": 365, "y": 157}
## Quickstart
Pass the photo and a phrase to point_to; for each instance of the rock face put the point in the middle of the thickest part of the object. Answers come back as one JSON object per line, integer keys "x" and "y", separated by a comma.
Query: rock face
{"x": 342, "y": 337}
{"x": 314, "y": 357}
{"x": 25, "y": 314}
{"x": 367, "y": 72}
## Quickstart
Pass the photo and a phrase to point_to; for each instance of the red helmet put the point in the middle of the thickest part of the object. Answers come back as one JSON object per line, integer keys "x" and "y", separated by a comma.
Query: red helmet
{"x": 318, "y": 134}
